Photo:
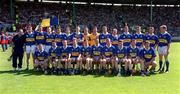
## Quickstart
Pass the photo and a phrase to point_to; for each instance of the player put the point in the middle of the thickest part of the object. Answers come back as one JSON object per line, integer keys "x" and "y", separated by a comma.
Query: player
{"x": 108, "y": 61}
{"x": 132, "y": 57}
{"x": 68, "y": 36}
{"x": 93, "y": 36}
{"x": 40, "y": 36}
{"x": 126, "y": 37}
{"x": 53, "y": 57}
{"x": 164, "y": 42}
{"x": 49, "y": 38}
{"x": 139, "y": 37}
{"x": 64, "y": 65}
{"x": 78, "y": 35}
{"x": 152, "y": 38}
{"x": 103, "y": 36}
{"x": 97, "y": 56}
{"x": 121, "y": 56}
{"x": 75, "y": 58}
{"x": 59, "y": 37}
{"x": 114, "y": 38}
{"x": 86, "y": 35}
{"x": 86, "y": 58}
{"x": 41, "y": 58}
{"x": 30, "y": 44}
{"x": 147, "y": 55}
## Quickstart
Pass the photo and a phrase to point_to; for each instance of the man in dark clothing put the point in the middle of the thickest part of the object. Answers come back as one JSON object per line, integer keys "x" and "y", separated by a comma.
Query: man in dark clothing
{"x": 18, "y": 51}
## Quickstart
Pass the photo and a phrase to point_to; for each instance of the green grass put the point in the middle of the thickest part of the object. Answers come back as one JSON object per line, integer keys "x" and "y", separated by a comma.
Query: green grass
{"x": 29, "y": 82}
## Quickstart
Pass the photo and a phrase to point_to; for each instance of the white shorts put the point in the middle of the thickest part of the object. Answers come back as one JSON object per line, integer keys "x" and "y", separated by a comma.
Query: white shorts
{"x": 47, "y": 47}
{"x": 162, "y": 50}
{"x": 30, "y": 49}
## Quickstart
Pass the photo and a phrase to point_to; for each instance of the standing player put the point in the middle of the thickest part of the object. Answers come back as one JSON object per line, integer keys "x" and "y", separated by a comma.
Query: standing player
{"x": 40, "y": 36}
{"x": 49, "y": 38}
{"x": 97, "y": 56}
{"x": 86, "y": 35}
{"x": 126, "y": 37}
{"x": 114, "y": 37}
{"x": 164, "y": 39}
{"x": 133, "y": 57}
{"x": 64, "y": 65}
{"x": 30, "y": 44}
{"x": 147, "y": 55}
{"x": 75, "y": 58}
{"x": 94, "y": 36}
{"x": 108, "y": 62}
{"x": 103, "y": 36}
{"x": 152, "y": 38}
{"x": 68, "y": 36}
{"x": 78, "y": 35}
{"x": 53, "y": 57}
{"x": 86, "y": 57}
{"x": 59, "y": 37}
{"x": 139, "y": 37}
{"x": 41, "y": 58}
{"x": 121, "y": 55}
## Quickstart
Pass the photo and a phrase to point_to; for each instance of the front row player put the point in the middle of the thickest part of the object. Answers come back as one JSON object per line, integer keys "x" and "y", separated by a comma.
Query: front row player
{"x": 41, "y": 59}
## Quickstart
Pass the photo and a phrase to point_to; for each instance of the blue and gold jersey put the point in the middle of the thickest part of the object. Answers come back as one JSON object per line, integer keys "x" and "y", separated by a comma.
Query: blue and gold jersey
{"x": 114, "y": 40}
{"x": 147, "y": 54}
{"x": 108, "y": 51}
{"x": 96, "y": 50}
{"x": 30, "y": 39}
{"x": 139, "y": 39}
{"x": 79, "y": 37}
{"x": 54, "y": 52}
{"x": 152, "y": 39}
{"x": 65, "y": 51}
{"x": 59, "y": 38}
{"x": 75, "y": 51}
{"x": 102, "y": 38}
{"x": 69, "y": 39}
{"x": 133, "y": 52}
{"x": 40, "y": 37}
{"x": 126, "y": 39}
{"x": 164, "y": 39}
{"x": 86, "y": 51}
{"x": 41, "y": 55}
{"x": 49, "y": 38}
{"x": 121, "y": 52}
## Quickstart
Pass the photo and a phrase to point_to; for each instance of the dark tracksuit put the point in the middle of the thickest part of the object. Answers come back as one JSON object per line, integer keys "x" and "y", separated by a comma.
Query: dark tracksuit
{"x": 18, "y": 51}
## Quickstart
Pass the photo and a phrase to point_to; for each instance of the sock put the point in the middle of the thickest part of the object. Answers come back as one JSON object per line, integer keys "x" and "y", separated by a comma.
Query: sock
{"x": 167, "y": 65}
{"x": 142, "y": 71}
{"x": 160, "y": 64}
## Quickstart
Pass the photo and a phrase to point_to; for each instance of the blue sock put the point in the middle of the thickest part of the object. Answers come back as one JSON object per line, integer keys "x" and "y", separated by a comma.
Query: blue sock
{"x": 167, "y": 65}
{"x": 160, "y": 64}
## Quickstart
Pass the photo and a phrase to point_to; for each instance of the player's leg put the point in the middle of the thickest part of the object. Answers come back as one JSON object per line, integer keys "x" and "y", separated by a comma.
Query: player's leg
{"x": 141, "y": 61}
{"x": 28, "y": 50}
{"x": 166, "y": 60}
{"x": 160, "y": 52}
{"x": 153, "y": 66}
{"x": 89, "y": 65}
{"x": 103, "y": 66}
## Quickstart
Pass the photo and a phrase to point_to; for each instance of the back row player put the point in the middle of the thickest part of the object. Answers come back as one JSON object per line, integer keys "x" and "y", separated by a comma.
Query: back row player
{"x": 162, "y": 41}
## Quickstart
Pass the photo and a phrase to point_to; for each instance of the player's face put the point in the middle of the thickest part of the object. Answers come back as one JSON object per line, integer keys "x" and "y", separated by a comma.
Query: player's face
{"x": 86, "y": 30}
{"x": 114, "y": 31}
{"x": 29, "y": 29}
{"x": 20, "y": 32}
{"x": 74, "y": 42}
{"x": 108, "y": 41}
{"x": 58, "y": 30}
{"x": 65, "y": 43}
{"x": 94, "y": 29}
{"x": 40, "y": 28}
{"x": 49, "y": 29}
{"x": 151, "y": 30}
{"x": 162, "y": 29}
{"x": 138, "y": 29}
{"x": 133, "y": 43}
{"x": 67, "y": 30}
{"x": 40, "y": 47}
{"x": 147, "y": 45}
{"x": 126, "y": 29}
{"x": 120, "y": 43}
{"x": 77, "y": 28}
{"x": 104, "y": 29}
{"x": 53, "y": 44}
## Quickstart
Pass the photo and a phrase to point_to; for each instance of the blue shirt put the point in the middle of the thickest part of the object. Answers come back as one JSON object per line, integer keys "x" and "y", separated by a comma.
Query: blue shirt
{"x": 121, "y": 52}
{"x": 152, "y": 39}
{"x": 41, "y": 55}
{"x": 69, "y": 39}
{"x": 96, "y": 50}
{"x": 54, "y": 52}
{"x": 49, "y": 38}
{"x": 40, "y": 37}
{"x": 30, "y": 39}
{"x": 114, "y": 40}
{"x": 59, "y": 38}
{"x": 86, "y": 50}
{"x": 65, "y": 51}
{"x": 133, "y": 52}
{"x": 79, "y": 37}
{"x": 75, "y": 51}
{"x": 108, "y": 51}
{"x": 126, "y": 39}
{"x": 139, "y": 39}
{"x": 147, "y": 54}
{"x": 102, "y": 38}
{"x": 164, "y": 39}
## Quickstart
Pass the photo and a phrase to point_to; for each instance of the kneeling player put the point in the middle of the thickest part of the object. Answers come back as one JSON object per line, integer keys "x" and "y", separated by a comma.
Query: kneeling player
{"x": 75, "y": 58}
{"x": 86, "y": 57}
{"x": 108, "y": 62}
{"x": 41, "y": 58}
{"x": 96, "y": 55}
{"x": 121, "y": 55}
{"x": 65, "y": 54}
{"x": 53, "y": 57}
{"x": 147, "y": 56}
{"x": 133, "y": 58}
